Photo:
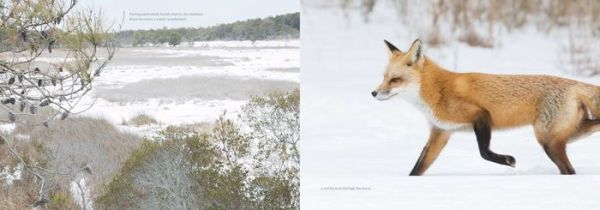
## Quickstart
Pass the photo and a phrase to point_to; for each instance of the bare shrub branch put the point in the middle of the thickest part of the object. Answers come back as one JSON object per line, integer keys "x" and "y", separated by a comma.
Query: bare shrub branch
{"x": 56, "y": 85}
{"x": 50, "y": 53}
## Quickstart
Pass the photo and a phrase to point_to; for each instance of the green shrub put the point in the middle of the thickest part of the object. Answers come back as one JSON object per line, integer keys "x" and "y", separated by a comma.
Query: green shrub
{"x": 218, "y": 168}
{"x": 275, "y": 125}
{"x": 61, "y": 201}
{"x": 154, "y": 176}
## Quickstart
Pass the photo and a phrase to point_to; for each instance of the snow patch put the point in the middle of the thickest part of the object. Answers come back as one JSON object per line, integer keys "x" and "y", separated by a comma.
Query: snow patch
{"x": 9, "y": 176}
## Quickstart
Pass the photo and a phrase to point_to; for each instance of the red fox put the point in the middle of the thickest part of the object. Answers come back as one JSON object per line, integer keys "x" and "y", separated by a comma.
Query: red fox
{"x": 560, "y": 110}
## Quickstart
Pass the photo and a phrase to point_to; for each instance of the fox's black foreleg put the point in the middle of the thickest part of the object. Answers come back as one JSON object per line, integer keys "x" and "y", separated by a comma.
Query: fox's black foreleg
{"x": 437, "y": 140}
{"x": 483, "y": 131}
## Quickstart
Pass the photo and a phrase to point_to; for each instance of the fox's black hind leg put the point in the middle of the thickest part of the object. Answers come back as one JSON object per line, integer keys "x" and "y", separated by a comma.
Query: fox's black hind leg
{"x": 557, "y": 151}
{"x": 483, "y": 132}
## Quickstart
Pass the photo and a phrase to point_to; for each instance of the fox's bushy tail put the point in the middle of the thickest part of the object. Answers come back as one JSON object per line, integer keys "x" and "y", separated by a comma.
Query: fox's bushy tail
{"x": 591, "y": 101}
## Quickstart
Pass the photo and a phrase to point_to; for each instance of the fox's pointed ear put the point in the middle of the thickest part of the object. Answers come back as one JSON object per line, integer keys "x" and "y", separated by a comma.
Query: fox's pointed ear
{"x": 415, "y": 52}
{"x": 391, "y": 47}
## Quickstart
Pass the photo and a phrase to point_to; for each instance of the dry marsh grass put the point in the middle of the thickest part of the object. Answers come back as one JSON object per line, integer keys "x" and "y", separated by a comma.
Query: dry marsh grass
{"x": 140, "y": 120}
{"x": 473, "y": 39}
{"x": 494, "y": 16}
{"x": 202, "y": 127}
{"x": 65, "y": 146}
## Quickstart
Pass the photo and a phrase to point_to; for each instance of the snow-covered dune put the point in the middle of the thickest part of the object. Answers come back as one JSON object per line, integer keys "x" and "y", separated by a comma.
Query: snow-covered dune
{"x": 357, "y": 151}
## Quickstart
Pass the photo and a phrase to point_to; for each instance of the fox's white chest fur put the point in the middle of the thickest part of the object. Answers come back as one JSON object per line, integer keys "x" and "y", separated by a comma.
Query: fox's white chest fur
{"x": 411, "y": 94}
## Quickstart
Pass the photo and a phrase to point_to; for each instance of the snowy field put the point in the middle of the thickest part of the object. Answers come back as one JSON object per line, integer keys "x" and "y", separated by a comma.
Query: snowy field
{"x": 357, "y": 152}
{"x": 192, "y": 84}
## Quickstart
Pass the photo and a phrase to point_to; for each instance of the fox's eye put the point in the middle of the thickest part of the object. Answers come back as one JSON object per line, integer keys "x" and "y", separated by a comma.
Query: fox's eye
{"x": 396, "y": 79}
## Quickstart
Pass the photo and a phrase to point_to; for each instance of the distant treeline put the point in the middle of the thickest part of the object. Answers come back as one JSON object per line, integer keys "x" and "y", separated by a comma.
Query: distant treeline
{"x": 278, "y": 27}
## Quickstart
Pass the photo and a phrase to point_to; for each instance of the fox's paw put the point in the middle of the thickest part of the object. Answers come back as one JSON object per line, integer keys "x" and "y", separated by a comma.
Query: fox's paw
{"x": 510, "y": 160}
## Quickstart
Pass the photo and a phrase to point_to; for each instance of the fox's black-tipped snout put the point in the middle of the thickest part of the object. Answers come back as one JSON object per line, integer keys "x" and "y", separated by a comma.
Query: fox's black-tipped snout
{"x": 374, "y": 93}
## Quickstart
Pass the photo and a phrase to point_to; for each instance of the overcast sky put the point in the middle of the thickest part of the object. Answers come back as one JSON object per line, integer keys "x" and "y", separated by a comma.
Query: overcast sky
{"x": 212, "y": 11}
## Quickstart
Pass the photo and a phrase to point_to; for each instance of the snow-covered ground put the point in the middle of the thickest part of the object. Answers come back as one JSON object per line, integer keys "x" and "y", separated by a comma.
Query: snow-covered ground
{"x": 356, "y": 152}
